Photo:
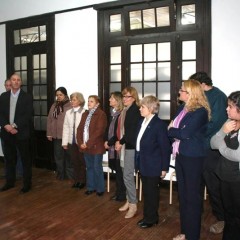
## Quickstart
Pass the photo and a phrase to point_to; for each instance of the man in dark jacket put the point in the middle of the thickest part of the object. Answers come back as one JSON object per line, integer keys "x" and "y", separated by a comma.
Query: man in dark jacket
{"x": 15, "y": 120}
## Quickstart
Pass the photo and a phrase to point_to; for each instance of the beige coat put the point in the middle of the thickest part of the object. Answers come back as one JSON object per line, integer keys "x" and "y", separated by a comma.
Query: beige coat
{"x": 68, "y": 125}
{"x": 55, "y": 125}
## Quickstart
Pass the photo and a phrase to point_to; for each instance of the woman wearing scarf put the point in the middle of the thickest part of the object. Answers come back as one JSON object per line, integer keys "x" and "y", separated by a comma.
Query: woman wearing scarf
{"x": 111, "y": 138}
{"x": 90, "y": 138}
{"x": 127, "y": 130}
{"x": 188, "y": 131}
{"x": 54, "y": 132}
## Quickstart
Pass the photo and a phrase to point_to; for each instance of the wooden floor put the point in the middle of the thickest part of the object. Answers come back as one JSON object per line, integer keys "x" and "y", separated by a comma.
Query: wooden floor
{"x": 53, "y": 210}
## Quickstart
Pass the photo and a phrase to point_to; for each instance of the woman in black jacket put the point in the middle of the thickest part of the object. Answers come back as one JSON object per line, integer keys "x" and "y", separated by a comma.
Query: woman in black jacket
{"x": 129, "y": 120}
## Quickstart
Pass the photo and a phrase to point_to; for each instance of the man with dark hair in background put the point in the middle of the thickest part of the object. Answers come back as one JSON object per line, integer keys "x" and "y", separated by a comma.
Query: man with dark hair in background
{"x": 218, "y": 104}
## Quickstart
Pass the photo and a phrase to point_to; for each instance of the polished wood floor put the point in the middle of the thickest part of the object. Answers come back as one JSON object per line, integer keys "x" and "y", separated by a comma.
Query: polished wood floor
{"x": 53, "y": 210}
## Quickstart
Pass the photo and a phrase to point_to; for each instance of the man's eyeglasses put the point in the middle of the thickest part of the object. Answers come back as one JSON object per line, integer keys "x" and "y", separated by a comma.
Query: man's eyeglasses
{"x": 127, "y": 96}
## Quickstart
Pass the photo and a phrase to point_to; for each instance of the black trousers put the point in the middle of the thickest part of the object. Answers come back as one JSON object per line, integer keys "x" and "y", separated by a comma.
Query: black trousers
{"x": 189, "y": 179}
{"x": 10, "y": 151}
{"x": 150, "y": 198}
{"x": 230, "y": 192}
{"x": 120, "y": 192}
{"x": 211, "y": 180}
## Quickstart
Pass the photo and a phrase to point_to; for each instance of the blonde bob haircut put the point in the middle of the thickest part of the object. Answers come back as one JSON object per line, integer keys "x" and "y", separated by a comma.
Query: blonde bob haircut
{"x": 79, "y": 97}
{"x": 152, "y": 103}
{"x": 197, "y": 97}
{"x": 133, "y": 92}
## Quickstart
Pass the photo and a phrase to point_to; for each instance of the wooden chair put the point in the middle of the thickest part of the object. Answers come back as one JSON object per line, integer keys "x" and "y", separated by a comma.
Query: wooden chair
{"x": 107, "y": 169}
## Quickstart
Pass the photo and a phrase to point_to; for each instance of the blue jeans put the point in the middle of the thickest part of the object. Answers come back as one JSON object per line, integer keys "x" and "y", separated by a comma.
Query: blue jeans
{"x": 95, "y": 177}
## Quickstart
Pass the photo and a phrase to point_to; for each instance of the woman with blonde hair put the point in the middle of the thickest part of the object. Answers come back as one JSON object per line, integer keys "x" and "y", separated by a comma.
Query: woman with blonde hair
{"x": 127, "y": 135}
{"x": 188, "y": 131}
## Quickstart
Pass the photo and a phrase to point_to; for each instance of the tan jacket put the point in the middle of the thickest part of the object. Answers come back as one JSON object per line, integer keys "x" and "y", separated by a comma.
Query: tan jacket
{"x": 55, "y": 125}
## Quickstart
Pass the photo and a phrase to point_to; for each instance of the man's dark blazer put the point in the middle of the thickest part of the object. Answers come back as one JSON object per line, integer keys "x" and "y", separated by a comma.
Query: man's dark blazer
{"x": 191, "y": 132}
{"x": 155, "y": 148}
{"x": 23, "y": 115}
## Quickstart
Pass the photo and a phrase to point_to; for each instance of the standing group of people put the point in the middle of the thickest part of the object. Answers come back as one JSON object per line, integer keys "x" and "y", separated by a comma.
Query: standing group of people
{"x": 206, "y": 149}
{"x": 203, "y": 138}
{"x": 78, "y": 139}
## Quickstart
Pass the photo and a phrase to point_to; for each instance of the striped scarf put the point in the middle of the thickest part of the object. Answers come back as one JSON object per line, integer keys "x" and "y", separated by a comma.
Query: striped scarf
{"x": 87, "y": 124}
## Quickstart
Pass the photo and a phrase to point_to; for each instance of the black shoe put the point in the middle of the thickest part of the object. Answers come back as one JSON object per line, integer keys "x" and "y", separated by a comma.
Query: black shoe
{"x": 114, "y": 198}
{"x": 6, "y": 187}
{"x": 74, "y": 185}
{"x": 25, "y": 190}
{"x": 78, "y": 185}
{"x": 89, "y": 192}
{"x": 140, "y": 222}
{"x": 147, "y": 225}
{"x": 81, "y": 185}
{"x": 100, "y": 194}
{"x": 118, "y": 199}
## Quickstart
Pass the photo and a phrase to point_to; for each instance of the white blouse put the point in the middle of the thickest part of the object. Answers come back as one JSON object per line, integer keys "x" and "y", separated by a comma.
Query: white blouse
{"x": 142, "y": 130}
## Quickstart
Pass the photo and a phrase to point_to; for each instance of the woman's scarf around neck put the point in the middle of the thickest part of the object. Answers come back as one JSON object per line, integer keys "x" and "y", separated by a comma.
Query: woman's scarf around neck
{"x": 87, "y": 123}
{"x": 111, "y": 133}
{"x": 59, "y": 107}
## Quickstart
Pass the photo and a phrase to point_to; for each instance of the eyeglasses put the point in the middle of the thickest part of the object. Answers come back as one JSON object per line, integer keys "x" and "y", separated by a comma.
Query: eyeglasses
{"x": 180, "y": 90}
{"x": 127, "y": 96}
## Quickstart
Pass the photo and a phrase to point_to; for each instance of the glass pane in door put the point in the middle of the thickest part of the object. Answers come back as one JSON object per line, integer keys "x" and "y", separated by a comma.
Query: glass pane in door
{"x": 188, "y": 50}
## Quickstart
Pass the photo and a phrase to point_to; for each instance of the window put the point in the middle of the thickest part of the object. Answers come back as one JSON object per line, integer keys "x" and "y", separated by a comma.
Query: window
{"x": 153, "y": 47}
{"x": 30, "y": 35}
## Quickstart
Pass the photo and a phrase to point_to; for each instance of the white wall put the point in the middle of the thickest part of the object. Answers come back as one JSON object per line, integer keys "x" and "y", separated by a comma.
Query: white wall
{"x": 76, "y": 51}
{"x": 226, "y": 45}
{"x": 2, "y": 57}
{"x": 14, "y": 9}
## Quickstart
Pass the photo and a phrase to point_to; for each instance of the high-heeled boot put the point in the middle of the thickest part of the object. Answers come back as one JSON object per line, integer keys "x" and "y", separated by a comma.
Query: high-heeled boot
{"x": 124, "y": 207}
{"x": 132, "y": 210}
